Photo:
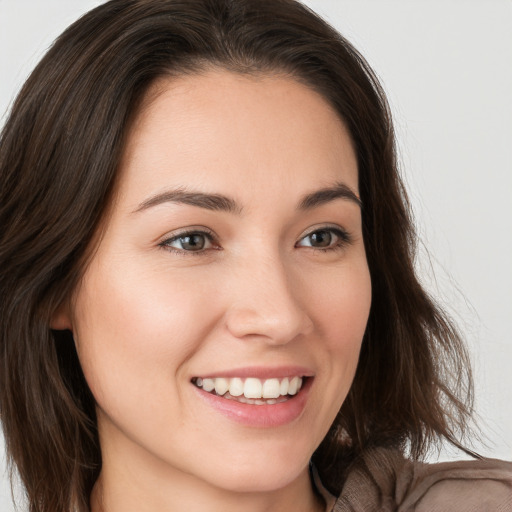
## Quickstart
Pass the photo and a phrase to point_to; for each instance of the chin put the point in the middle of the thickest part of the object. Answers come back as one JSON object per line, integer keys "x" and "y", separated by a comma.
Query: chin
{"x": 260, "y": 472}
{"x": 259, "y": 481}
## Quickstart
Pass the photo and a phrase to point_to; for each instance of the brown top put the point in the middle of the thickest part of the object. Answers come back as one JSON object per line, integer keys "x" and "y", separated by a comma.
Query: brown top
{"x": 384, "y": 481}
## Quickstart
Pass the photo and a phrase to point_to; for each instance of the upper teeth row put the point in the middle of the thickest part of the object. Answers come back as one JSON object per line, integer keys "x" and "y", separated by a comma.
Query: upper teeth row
{"x": 251, "y": 387}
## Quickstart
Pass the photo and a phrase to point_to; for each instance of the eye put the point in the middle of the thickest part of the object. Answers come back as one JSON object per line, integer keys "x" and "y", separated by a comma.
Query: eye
{"x": 325, "y": 239}
{"x": 191, "y": 241}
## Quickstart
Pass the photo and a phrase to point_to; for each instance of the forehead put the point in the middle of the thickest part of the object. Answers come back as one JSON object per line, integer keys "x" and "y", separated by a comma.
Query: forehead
{"x": 236, "y": 132}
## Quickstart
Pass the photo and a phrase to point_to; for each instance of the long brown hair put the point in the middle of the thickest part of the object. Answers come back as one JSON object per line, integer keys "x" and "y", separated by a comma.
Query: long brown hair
{"x": 59, "y": 153}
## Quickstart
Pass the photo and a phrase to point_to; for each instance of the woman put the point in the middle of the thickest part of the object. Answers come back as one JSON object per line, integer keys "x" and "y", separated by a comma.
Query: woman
{"x": 208, "y": 295}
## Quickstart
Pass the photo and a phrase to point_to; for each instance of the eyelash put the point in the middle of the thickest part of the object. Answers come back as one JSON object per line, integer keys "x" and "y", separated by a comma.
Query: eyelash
{"x": 343, "y": 239}
{"x": 182, "y": 252}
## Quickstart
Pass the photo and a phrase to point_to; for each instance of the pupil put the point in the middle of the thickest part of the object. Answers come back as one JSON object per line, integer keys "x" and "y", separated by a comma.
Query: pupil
{"x": 192, "y": 242}
{"x": 321, "y": 239}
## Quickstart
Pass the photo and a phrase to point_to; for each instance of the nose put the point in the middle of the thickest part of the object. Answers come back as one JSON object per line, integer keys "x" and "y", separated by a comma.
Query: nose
{"x": 265, "y": 303}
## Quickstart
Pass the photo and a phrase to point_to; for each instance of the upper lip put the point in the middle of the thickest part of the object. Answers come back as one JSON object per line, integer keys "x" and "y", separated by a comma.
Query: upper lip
{"x": 260, "y": 372}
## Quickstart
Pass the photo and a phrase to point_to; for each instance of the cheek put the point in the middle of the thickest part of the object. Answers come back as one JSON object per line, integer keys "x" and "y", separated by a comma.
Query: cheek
{"x": 343, "y": 311}
{"x": 135, "y": 331}
{"x": 343, "y": 302}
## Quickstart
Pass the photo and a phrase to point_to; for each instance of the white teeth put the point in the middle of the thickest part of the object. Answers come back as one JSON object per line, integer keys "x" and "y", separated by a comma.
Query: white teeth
{"x": 271, "y": 388}
{"x": 252, "y": 390}
{"x": 294, "y": 385}
{"x": 208, "y": 384}
{"x": 236, "y": 387}
{"x": 283, "y": 388}
{"x": 221, "y": 386}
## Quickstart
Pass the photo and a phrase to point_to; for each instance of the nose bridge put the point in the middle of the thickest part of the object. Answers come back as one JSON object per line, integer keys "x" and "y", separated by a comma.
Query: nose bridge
{"x": 265, "y": 303}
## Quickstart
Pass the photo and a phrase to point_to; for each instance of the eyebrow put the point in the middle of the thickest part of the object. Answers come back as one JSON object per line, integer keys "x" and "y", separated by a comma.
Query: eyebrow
{"x": 219, "y": 202}
{"x": 216, "y": 202}
{"x": 325, "y": 195}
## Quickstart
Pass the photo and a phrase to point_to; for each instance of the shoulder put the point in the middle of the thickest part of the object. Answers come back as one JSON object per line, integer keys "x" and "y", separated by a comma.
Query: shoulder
{"x": 467, "y": 486}
{"x": 383, "y": 480}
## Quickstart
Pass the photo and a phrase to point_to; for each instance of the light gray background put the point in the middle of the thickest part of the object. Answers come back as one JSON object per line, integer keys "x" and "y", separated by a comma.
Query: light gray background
{"x": 447, "y": 68}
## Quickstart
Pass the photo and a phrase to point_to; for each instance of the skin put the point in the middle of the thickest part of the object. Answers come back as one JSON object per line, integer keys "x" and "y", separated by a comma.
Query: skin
{"x": 148, "y": 317}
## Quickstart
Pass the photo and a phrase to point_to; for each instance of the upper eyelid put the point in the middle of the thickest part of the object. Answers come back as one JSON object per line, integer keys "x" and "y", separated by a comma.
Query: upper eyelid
{"x": 206, "y": 231}
{"x": 326, "y": 227}
{"x": 189, "y": 231}
{"x": 203, "y": 230}
{"x": 344, "y": 237}
{"x": 165, "y": 242}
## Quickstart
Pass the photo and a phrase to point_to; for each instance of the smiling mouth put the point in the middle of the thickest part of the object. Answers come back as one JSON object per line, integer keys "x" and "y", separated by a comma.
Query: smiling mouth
{"x": 251, "y": 390}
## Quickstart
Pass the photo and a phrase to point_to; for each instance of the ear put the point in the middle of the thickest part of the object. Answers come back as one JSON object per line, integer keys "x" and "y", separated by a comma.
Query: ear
{"x": 61, "y": 319}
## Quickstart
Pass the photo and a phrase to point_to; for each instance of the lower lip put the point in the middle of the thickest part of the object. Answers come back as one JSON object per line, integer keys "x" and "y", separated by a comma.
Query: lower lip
{"x": 263, "y": 416}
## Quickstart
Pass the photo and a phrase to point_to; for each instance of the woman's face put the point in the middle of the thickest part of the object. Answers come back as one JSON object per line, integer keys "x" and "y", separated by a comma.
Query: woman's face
{"x": 233, "y": 258}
